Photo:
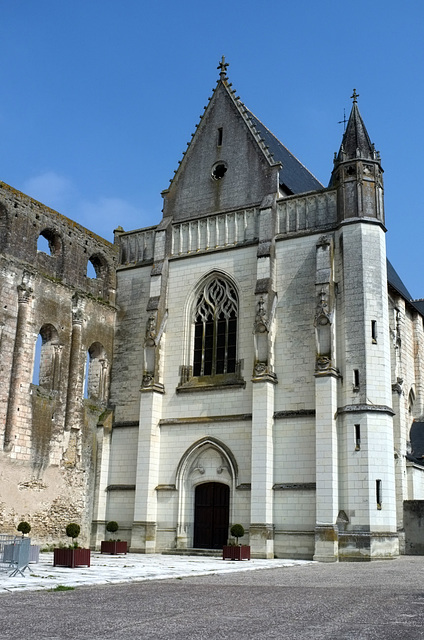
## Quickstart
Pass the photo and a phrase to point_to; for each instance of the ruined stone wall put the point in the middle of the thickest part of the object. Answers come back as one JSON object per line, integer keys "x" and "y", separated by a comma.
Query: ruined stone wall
{"x": 47, "y": 427}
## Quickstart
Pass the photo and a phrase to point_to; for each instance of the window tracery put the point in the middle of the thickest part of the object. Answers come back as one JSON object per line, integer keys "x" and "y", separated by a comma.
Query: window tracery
{"x": 215, "y": 329}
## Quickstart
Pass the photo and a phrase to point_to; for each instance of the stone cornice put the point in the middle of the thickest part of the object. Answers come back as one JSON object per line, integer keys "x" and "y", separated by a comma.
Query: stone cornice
{"x": 357, "y": 408}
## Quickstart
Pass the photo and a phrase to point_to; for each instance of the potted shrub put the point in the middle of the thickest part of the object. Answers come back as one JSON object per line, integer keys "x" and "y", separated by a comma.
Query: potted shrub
{"x": 24, "y": 527}
{"x": 113, "y": 546}
{"x": 236, "y": 551}
{"x": 34, "y": 550}
{"x": 72, "y": 556}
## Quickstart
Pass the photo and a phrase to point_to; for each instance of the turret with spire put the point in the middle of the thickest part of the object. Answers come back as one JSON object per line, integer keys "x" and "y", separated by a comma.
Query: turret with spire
{"x": 357, "y": 172}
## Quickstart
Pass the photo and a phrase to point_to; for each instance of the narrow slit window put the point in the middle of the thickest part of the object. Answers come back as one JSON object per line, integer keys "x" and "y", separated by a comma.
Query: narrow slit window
{"x": 374, "y": 331}
{"x": 356, "y": 379}
{"x": 378, "y": 493}
{"x": 357, "y": 437}
{"x": 219, "y": 136}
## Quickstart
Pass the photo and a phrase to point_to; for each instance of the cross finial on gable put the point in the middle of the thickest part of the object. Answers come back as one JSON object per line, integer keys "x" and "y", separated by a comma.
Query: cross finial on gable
{"x": 355, "y": 96}
{"x": 223, "y": 66}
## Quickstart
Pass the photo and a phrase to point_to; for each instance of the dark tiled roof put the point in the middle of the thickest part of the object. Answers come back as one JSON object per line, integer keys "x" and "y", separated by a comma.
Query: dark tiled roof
{"x": 395, "y": 282}
{"x": 419, "y": 305}
{"x": 294, "y": 176}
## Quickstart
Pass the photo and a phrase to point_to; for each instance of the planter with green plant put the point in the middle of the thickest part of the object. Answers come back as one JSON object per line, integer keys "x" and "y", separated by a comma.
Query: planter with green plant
{"x": 236, "y": 551}
{"x": 113, "y": 546}
{"x": 72, "y": 556}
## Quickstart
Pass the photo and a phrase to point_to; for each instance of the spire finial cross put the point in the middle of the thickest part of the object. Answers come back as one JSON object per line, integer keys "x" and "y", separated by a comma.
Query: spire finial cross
{"x": 223, "y": 66}
{"x": 343, "y": 122}
{"x": 355, "y": 96}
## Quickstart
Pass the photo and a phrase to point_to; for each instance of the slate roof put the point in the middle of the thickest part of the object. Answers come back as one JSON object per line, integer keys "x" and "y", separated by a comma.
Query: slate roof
{"x": 396, "y": 283}
{"x": 294, "y": 176}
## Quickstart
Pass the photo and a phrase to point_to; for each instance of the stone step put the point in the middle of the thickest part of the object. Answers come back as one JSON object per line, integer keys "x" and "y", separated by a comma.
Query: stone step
{"x": 216, "y": 553}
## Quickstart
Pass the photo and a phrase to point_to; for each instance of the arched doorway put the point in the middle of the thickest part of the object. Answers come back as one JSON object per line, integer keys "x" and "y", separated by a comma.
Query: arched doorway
{"x": 211, "y": 515}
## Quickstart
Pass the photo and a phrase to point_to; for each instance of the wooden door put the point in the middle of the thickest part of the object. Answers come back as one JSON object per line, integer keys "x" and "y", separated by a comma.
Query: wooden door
{"x": 211, "y": 515}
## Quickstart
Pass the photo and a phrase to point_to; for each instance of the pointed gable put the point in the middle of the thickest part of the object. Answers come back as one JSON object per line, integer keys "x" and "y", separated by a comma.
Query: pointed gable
{"x": 232, "y": 161}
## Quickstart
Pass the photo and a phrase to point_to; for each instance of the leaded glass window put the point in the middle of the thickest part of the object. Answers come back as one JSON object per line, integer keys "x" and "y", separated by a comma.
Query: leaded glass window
{"x": 215, "y": 333}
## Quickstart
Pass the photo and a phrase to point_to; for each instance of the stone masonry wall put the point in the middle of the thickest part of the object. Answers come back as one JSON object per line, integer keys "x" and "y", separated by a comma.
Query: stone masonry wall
{"x": 47, "y": 427}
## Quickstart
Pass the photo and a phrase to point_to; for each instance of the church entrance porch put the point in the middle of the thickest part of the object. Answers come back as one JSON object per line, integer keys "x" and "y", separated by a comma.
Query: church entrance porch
{"x": 211, "y": 515}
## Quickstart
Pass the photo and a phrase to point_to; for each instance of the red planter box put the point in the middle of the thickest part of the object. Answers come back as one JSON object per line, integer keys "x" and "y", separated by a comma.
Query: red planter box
{"x": 235, "y": 552}
{"x": 71, "y": 557}
{"x": 113, "y": 547}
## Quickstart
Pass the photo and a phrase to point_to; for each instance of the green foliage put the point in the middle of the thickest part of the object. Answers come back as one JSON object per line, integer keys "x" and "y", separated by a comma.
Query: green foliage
{"x": 73, "y": 530}
{"x": 24, "y": 527}
{"x": 112, "y": 526}
{"x": 237, "y": 530}
{"x": 62, "y": 587}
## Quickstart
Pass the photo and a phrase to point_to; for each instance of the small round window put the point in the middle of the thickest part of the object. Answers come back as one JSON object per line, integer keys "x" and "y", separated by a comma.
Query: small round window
{"x": 218, "y": 171}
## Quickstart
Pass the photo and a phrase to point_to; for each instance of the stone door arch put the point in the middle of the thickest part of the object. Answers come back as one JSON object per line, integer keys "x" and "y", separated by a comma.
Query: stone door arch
{"x": 207, "y": 462}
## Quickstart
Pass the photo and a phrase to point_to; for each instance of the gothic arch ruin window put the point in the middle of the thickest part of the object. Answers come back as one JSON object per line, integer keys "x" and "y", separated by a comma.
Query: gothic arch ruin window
{"x": 97, "y": 267}
{"x": 98, "y": 276}
{"x": 47, "y": 358}
{"x": 49, "y": 242}
{"x": 215, "y": 328}
{"x": 96, "y": 374}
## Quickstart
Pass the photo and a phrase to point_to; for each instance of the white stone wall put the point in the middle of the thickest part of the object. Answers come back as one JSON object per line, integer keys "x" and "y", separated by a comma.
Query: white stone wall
{"x": 295, "y": 334}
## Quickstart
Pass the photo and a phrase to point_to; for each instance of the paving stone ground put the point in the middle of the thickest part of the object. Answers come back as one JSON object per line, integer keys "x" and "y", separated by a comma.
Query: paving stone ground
{"x": 291, "y": 601}
{"x": 133, "y": 567}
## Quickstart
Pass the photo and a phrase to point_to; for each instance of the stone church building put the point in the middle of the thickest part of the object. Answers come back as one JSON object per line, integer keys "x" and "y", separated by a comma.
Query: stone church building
{"x": 251, "y": 359}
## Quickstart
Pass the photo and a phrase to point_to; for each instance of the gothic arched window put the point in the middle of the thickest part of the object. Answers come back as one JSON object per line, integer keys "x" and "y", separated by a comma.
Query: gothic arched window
{"x": 47, "y": 358}
{"x": 215, "y": 329}
{"x": 96, "y": 373}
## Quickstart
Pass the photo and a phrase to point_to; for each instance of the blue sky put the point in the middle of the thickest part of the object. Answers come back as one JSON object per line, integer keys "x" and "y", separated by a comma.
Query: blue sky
{"x": 99, "y": 98}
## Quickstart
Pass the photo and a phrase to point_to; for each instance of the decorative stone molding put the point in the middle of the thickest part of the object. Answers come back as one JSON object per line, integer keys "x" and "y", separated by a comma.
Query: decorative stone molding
{"x": 151, "y": 343}
{"x": 397, "y": 387}
{"x": 301, "y": 413}
{"x": 120, "y": 487}
{"x": 206, "y": 419}
{"x": 295, "y": 486}
{"x": 24, "y": 288}
{"x": 357, "y": 408}
{"x": 77, "y": 309}
{"x": 261, "y": 319}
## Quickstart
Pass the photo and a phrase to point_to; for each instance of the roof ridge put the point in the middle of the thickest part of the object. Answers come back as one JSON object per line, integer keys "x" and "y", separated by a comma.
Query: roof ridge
{"x": 284, "y": 146}
{"x": 242, "y": 109}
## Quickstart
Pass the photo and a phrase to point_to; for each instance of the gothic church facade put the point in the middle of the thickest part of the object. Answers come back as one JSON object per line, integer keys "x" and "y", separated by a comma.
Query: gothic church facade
{"x": 253, "y": 358}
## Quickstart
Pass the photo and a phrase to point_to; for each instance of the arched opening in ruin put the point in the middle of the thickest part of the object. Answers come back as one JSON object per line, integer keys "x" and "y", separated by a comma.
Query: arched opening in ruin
{"x": 96, "y": 381}
{"x": 47, "y": 357}
{"x": 97, "y": 267}
{"x": 49, "y": 242}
